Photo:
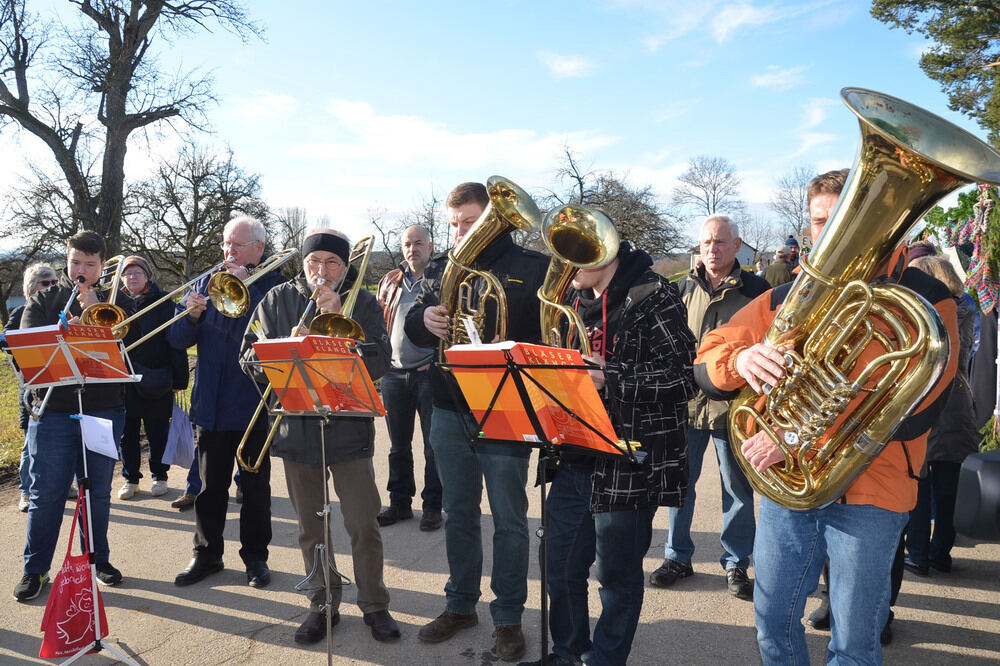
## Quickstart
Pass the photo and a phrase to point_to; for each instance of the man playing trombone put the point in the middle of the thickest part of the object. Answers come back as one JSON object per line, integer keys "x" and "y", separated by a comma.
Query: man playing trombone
{"x": 349, "y": 441}
{"x": 222, "y": 403}
{"x": 53, "y": 441}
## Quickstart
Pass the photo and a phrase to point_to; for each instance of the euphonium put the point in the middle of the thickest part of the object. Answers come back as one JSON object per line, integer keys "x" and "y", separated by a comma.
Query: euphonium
{"x": 578, "y": 237}
{"x": 509, "y": 207}
{"x": 864, "y": 355}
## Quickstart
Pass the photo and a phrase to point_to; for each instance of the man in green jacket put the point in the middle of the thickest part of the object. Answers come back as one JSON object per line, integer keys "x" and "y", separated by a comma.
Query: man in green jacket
{"x": 712, "y": 293}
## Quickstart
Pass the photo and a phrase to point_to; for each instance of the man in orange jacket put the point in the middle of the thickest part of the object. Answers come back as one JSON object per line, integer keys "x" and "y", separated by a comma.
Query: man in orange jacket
{"x": 859, "y": 532}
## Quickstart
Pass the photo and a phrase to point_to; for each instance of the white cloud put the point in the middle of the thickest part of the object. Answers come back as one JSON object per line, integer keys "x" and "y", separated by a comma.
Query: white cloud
{"x": 676, "y": 109}
{"x": 566, "y": 66}
{"x": 815, "y": 111}
{"x": 778, "y": 78}
{"x": 266, "y": 105}
{"x": 723, "y": 20}
{"x": 810, "y": 141}
{"x": 399, "y": 140}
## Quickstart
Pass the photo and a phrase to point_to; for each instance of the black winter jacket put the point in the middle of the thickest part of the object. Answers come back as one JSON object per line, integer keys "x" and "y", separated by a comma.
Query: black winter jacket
{"x": 519, "y": 270}
{"x": 649, "y": 381}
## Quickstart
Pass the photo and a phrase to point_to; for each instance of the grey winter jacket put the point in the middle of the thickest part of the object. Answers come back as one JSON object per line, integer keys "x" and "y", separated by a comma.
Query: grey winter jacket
{"x": 707, "y": 311}
{"x": 298, "y": 437}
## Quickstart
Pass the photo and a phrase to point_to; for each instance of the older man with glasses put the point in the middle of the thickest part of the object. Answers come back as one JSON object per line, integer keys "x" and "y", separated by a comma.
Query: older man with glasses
{"x": 349, "y": 442}
{"x": 222, "y": 404}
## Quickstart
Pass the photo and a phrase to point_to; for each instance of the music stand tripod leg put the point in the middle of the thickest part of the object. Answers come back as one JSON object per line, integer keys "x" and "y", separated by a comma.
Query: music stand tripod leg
{"x": 98, "y": 644}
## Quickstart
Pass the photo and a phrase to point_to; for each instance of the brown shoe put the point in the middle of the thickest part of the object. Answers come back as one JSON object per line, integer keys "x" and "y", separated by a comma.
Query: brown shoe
{"x": 446, "y": 625}
{"x": 430, "y": 521}
{"x": 185, "y": 501}
{"x": 510, "y": 642}
{"x": 393, "y": 514}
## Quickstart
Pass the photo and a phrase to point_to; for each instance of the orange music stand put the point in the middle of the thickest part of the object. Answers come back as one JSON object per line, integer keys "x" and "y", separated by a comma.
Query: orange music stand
{"x": 72, "y": 354}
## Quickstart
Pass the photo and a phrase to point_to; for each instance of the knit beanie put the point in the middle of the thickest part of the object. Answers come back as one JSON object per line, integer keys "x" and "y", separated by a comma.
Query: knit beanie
{"x": 135, "y": 260}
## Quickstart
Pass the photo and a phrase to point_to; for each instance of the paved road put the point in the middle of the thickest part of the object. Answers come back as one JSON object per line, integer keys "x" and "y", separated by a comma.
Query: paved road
{"x": 939, "y": 620}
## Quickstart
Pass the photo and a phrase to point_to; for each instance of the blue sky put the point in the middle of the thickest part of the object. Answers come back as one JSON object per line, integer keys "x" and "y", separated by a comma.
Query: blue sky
{"x": 348, "y": 106}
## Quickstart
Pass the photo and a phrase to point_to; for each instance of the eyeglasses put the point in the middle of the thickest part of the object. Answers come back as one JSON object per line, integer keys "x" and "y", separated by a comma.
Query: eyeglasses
{"x": 331, "y": 264}
{"x": 47, "y": 283}
{"x": 134, "y": 274}
{"x": 226, "y": 245}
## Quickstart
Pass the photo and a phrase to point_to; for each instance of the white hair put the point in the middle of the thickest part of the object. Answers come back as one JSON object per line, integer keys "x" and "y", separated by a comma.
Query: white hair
{"x": 256, "y": 227}
{"x": 734, "y": 228}
{"x": 34, "y": 273}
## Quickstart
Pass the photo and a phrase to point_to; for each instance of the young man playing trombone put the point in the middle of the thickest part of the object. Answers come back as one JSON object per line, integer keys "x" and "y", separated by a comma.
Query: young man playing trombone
{"x": 349, "y": 441}
{"x": 53, "y": 441}
{"x": 222, "y": 404}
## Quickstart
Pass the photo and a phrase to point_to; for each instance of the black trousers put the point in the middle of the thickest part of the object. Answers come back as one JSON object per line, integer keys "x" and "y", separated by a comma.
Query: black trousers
{"x": 157, "y": 430}
{"x": 216, "y": 458}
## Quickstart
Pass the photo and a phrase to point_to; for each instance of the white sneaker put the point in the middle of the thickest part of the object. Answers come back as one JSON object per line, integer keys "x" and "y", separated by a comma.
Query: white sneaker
{"x": 24, "y": 503}
{"x": 159, "y": 488}
{"x": 128, "y": 490}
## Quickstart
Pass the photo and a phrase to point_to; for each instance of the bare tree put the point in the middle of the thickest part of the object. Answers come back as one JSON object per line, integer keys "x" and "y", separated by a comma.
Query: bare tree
{"x": 760, "y": 232}
{"x": 636, "y": 211}
{"x": 84, "y": 90}
{"x": 710, "y": 185}
{"x": 790, "y": 200}
{"x": 176, "y": 217}
{"x": 288, "y": 230}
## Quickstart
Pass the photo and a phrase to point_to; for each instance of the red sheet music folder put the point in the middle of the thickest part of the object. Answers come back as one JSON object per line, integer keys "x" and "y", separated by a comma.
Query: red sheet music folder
{"x": 573, "y": 387}
{"x": 333, "y": 367}
{"x": 56, "y": 355}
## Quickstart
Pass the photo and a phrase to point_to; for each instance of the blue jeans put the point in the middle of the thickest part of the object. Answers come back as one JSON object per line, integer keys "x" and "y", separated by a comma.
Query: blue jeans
{"x": 407, "y": 393}
{"x": 22, "y": 470}
{"x": 55, "y": 457}
{"x": 789, "y": 554}
{"x": 464, "y": 468}
{"x": 738, "y": 525}
{"x": 193, "y": 482}
{"x": 935, "y": 499}
{"x": 617, "y": 541}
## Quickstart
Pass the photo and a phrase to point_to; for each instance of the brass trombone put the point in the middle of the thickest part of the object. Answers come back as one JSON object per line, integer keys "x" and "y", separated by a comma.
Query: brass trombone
{"x": 227, "y": 292}
{"x": 578, "y": 237}
{"x": 329, "y": 324}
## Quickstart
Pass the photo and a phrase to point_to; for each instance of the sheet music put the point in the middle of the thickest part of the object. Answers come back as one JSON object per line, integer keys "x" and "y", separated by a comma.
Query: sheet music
{"x": 99, "y": 436}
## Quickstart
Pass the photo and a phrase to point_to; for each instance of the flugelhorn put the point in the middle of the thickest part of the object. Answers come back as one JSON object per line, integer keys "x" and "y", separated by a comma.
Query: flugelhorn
{"x": 864, "y": 355}
{"x": 579, "y": 237}
{"x": 510, "y": 207}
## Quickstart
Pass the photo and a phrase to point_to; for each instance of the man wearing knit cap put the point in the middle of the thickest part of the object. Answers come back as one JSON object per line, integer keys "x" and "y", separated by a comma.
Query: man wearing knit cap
{"x": 792, "y": 246}
{"x": 163, "y": 369}
{"x": 349, "y": 441}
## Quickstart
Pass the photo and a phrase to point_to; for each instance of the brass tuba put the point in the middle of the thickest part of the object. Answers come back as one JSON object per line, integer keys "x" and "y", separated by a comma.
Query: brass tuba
{"x": 509, "y": 207}
{"x": 578, "y": 237}
{"x": 864, "y": 355}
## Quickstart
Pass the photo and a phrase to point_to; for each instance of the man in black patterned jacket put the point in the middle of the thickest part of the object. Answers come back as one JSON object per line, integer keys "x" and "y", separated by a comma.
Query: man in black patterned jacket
{"x": 601, "y": 508}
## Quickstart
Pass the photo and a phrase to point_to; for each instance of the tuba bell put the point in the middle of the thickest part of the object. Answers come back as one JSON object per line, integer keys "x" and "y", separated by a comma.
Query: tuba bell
{"x": 510, "y": 207}
{"x": 579, "y": 237}
{"x": 864, "y": 355}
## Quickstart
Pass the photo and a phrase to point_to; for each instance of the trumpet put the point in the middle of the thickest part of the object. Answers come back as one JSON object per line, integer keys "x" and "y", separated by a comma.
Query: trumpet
{"x": 227, "y": 293}
{"x": 329, "y": 324}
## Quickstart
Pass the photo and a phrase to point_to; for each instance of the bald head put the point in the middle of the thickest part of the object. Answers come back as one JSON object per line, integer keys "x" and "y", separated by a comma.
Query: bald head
{"x": 416, "y": 247}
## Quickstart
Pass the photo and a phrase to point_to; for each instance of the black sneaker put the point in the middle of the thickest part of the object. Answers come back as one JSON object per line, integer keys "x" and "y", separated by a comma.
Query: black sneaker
{"x": 30, "y": 586}
{"x": 886, "y": 637}
{"x": 107, "y": 574}
{"x": 669, "y": 572}
{"x": 739, "y": 584}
